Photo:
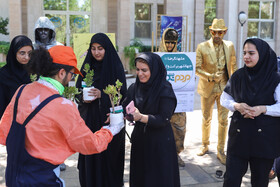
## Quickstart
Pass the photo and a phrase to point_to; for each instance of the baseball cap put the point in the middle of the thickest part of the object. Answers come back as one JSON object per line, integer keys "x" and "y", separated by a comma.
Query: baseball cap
{"x": 64, "y": 55}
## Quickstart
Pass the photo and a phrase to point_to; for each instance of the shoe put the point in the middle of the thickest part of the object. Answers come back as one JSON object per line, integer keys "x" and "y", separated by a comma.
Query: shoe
{"x": 222, "y": 157}
{"x": 181, "y": 163}
{"x": 272, "y": 174}
{"x": 203, "y": 150}
{"x": 62, "y": 167}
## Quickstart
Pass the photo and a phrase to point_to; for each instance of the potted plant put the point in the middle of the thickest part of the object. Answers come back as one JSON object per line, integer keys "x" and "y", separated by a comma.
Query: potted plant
{"x": 87, "y": 83}
{"x": 115, "y": 96}
{"x": 33, "y": 77}
{"x": 70, "y": 92}
{"x": 130, "y": 51}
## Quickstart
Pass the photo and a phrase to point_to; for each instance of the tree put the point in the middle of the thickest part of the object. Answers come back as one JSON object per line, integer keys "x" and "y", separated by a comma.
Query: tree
{"x": 3, "y": 25}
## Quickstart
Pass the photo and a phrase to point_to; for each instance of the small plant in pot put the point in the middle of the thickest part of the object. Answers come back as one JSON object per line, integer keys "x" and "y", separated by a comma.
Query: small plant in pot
{"x": 87, "y": 83}
{"x": 114, "y": 92}
{"x": 70, "y": 92}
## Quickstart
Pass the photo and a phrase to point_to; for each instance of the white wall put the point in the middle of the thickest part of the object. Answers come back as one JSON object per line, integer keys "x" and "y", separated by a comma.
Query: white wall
{"x": 188, "y": 10}
{"x": 231, "y": 20}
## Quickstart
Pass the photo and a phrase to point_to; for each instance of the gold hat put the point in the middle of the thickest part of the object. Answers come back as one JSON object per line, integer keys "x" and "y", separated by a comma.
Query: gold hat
{"x": 218, "y": 25}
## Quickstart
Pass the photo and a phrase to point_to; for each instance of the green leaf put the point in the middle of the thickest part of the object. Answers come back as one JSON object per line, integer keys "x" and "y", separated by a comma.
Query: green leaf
{"x": 89, "y": 75}
{"x": 70, "y": 92}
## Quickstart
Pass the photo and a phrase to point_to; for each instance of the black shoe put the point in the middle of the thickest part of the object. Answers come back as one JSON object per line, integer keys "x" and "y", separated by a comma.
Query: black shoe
{"x": 62, "y": 167}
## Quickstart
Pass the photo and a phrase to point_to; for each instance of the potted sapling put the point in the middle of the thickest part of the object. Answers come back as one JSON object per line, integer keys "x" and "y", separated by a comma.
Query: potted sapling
{"x": 87, "y": 83}
{"x": 115, "y": 96}
{"x": 70, "y": 92}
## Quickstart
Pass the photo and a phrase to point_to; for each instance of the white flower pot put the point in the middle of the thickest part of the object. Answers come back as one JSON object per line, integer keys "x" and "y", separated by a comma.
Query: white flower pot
{"x": 116, "y": 118}
{"x": 86, "y": 97}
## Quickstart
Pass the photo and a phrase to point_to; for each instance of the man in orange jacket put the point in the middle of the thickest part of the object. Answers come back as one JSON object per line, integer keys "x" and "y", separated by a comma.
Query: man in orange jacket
{"x": 41, "y": 129}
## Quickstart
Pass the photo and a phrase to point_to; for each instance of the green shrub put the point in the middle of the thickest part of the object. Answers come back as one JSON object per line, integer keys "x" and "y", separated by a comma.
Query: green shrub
{"x": 2, "y": 64}
{"x": 4, "y": 47}
{"x": 130, "y": 51}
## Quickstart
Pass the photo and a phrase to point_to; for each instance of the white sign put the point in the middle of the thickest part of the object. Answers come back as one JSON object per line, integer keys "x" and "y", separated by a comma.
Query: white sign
{"x": 181, "y": 74}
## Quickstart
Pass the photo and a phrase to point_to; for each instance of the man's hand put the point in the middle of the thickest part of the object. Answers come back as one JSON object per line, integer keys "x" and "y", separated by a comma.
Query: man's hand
{"x": 218, "y": 76}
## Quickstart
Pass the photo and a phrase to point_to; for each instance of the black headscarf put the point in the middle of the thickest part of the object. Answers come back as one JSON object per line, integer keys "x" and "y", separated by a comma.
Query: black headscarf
{"x": 147, "y": 95}
{"x": 106, "y": 71}
{"x": 256, "y": 85}
{"x": 13, "y": 74}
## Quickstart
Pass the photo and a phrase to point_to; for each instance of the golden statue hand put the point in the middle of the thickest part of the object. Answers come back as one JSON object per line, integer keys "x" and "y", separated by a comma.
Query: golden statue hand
{"x": 218, "y": 76}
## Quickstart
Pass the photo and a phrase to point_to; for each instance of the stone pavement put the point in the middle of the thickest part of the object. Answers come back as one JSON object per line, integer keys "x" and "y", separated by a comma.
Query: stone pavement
{"x": 198, "y": 172}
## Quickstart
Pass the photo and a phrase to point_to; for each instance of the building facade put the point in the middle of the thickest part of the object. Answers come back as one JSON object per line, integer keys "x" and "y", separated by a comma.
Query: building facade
{"x": 131, "y": 19}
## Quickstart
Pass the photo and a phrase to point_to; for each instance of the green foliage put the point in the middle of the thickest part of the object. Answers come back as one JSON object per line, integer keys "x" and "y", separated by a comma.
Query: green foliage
{"x": 54, "y": 5}
{"x": 4, "y": 47}
{"x": 70, "y": 92}
{"x": 2, "y": 64}
{"x": 209, "y": 14}
{"x": 33, "y": 77}
{"x": 3, "y": 25}
{"x": 114, "y": 92}
{"x": 130, "y": 51}
{"x": 89, "y": 75}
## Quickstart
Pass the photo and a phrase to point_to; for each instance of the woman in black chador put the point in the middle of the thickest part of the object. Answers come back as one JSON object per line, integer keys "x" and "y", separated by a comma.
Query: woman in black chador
{"x": 253, "y": 95}
{"x": 13, "y": 74}
{"x": 104, "y": 169}
{"x": 153, "y": 160}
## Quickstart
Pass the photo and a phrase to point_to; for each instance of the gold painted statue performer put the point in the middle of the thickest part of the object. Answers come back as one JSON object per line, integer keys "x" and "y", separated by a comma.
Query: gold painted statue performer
{"x": 215, "y": 63}
{"x": 178, "y": 120}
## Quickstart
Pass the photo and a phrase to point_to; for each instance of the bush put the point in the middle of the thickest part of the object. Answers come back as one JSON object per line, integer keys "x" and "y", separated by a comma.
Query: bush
{"x": 130, "y": 51}
{"x": 4, "y": 47}
{"x": 3, "y": 24}
{"x": 2, "y": 64}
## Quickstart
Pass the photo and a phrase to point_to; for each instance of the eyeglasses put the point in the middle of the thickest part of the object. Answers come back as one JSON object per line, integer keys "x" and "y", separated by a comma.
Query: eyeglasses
{"x": 168, "y": 42}
{"x": 220, "y": 33}
{"x": 73, "y": 75}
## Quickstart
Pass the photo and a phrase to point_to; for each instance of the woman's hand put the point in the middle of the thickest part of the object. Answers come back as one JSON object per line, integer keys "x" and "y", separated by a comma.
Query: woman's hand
{"x": 243, "y": 108}
{"x": 248, "y": 111}
{"x": 140, "y": 117}
{"x": 136, "y": 115}
{"x": 94, "y": 92}
{"x": 257, "y": 110}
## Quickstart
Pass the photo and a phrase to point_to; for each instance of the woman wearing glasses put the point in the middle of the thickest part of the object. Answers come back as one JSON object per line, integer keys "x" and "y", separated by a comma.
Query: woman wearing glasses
{"x": 13, "y": 74}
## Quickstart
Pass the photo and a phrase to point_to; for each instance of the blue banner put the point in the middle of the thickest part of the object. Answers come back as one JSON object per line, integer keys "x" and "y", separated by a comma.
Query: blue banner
{"x": 175, "y": 23}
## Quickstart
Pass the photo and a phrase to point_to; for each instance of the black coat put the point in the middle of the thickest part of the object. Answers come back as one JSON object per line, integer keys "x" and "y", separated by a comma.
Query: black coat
{"x": 13, "y": 74}
{"x": 258, "y": 137}
{"x": 104, "y": 169}
{"x": 153, "y": 160}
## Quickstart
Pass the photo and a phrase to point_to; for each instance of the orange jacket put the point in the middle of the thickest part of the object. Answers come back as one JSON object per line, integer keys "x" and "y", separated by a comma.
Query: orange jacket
{"x": 57, "y": 131}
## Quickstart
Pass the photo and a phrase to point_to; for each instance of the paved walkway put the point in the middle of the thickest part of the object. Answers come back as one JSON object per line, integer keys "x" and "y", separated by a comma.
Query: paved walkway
{"x": 198, "y": 172}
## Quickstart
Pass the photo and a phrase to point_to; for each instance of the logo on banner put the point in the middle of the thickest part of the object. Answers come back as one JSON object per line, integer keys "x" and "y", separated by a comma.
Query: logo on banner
{"x": 179, "y": 69}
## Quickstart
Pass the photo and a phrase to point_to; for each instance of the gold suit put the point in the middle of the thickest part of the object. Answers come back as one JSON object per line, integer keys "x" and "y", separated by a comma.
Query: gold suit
{"x": 210, "y": 59}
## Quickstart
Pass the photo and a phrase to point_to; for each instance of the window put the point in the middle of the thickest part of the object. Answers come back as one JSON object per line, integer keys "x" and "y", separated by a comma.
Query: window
{"x": 209, "y": 15}
{"x": 160, "y": 11}
{"x": 72, "y": 14}
{"x": 261, "y": 19}
{"x": 143, "y": 21}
